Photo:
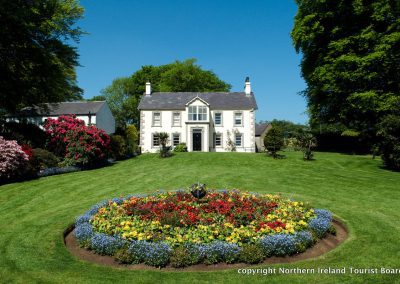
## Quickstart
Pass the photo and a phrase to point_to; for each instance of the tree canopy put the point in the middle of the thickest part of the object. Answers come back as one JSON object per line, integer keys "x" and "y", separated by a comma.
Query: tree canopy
{"x": 37, "y": 63}
{"x": 124, "y": 94}
{"x": 351, "y": 61}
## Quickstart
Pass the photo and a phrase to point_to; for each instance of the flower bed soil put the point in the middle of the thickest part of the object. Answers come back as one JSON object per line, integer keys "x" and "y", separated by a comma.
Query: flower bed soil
{"x": 328, "y": 243}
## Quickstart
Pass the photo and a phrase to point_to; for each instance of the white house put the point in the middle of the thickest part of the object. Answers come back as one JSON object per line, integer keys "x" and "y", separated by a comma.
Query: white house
{"x": 207, "y": 122}
{"x": 94, "y": 113}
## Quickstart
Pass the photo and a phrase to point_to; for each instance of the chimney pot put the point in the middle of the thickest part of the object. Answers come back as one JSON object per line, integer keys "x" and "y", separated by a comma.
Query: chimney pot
{"x": 247, "y": 86}
{"x": 148, "y": 88}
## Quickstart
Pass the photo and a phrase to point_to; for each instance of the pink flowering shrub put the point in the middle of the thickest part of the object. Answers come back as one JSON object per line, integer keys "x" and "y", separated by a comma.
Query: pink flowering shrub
{"x": 13, "y": 160}
{"x": 77, "y": 143}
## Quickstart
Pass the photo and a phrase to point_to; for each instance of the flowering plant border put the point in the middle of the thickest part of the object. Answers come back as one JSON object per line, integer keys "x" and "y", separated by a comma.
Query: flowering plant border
{"x": 159, "y": 254}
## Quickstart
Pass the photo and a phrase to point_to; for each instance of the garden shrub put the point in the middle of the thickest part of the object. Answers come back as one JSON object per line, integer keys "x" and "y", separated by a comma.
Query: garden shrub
{"x": 181, "y": 147}
{"x": 274, "y": 141}
{"x": 180, "y": 257}
{"x": 123, "y": 256}
{"x": 132, "y": 139}
{"x": 306, "y": 142}
{"x": 13, "y": 160}
{"x": 43, "y": 159}
{"x": 389, "y": 145}
{"x": 165, "y": 151}
{"x": 118, "y": 147}
{"x": 79, "y": 144}
{"x": 251, "y": 253}
{"x": 24, "y": 133}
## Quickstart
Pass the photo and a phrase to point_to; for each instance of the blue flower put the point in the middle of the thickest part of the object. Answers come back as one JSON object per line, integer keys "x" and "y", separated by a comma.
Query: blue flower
{"x": 106, "y": 245}
{"x": 83, "y": 232}
{"x": 154, "y": 254}
{"x": 279, "y": 244}
{"x": 321, "y": 223}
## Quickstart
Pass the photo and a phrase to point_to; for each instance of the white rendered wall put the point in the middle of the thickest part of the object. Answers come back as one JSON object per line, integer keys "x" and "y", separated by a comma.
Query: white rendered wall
{"x": 247, "y": 129}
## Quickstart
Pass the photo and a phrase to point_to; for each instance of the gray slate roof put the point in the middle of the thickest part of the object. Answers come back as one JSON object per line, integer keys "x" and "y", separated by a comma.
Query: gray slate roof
{"x": 57, "y": 109}
{"x": 260, "y": 128}
{"x": 216, "y": 100}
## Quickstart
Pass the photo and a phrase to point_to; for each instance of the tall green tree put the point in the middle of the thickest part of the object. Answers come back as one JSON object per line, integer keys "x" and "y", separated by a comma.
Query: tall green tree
{"x": 123, "y": 102}
{"x": 124, "y": 94}
{"x": 351, "y": 61}
{"x": 37, "y": 60}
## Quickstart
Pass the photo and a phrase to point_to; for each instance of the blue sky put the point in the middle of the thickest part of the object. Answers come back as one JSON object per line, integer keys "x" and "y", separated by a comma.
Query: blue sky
{"x": 232, "y": 38}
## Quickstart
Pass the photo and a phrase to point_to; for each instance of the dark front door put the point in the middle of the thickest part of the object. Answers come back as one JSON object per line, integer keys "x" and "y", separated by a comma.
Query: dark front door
{"x": 196, "y": 141}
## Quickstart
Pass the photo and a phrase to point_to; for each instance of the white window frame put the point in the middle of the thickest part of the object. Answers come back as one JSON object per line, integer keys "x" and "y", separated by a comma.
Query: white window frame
{"x": 154, "y": 121}
{"x": 241, "y": 118}
{"x": 173, "y": 139}
{"x": 153, "y": 135}
{"x": 194, "y": 113}
{"x": 215, "y": 139}
{"x": 215, "y": 118}
{"x": 174, "y": 123}
{"x": 241, "y": 139}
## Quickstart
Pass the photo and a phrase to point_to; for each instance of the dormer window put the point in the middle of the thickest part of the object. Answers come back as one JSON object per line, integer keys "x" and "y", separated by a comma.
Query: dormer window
{"x": 197, "y": 113}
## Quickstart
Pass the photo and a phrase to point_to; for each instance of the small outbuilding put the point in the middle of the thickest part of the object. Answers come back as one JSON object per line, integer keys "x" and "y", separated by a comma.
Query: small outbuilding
{"x": 261, "y": 130}
{"x": 95, "y": 113}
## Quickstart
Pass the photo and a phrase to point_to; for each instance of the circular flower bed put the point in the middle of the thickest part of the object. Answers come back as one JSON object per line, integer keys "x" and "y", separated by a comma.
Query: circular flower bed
{"x": 180, "y": 229}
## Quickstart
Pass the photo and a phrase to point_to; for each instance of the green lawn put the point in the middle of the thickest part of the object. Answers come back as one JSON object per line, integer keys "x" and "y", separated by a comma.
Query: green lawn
{"x": 34, "y": 214}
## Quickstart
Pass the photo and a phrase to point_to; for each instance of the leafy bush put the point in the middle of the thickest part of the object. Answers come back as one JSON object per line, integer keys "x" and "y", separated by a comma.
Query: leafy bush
{"x": 306, "y": 142}
{"x": 24, "y": 133}
{"x": 181, "y": 147}
{"x": 118, "y": 147}
{"x": 123, "y": 256}
{"x": 273, "y": 141}
{"x": 43, "y": 159}
{"x": 79, "y": 144}
{"x": 389, "y": 145}
{"x": 164, "y": 150}
{"x": 58, "y": 130}
{"x": 181, "y": 258}
{"x": 13, "y": 160}
{"x": 251, "y": 253}
{"x": 132, "y": 139}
